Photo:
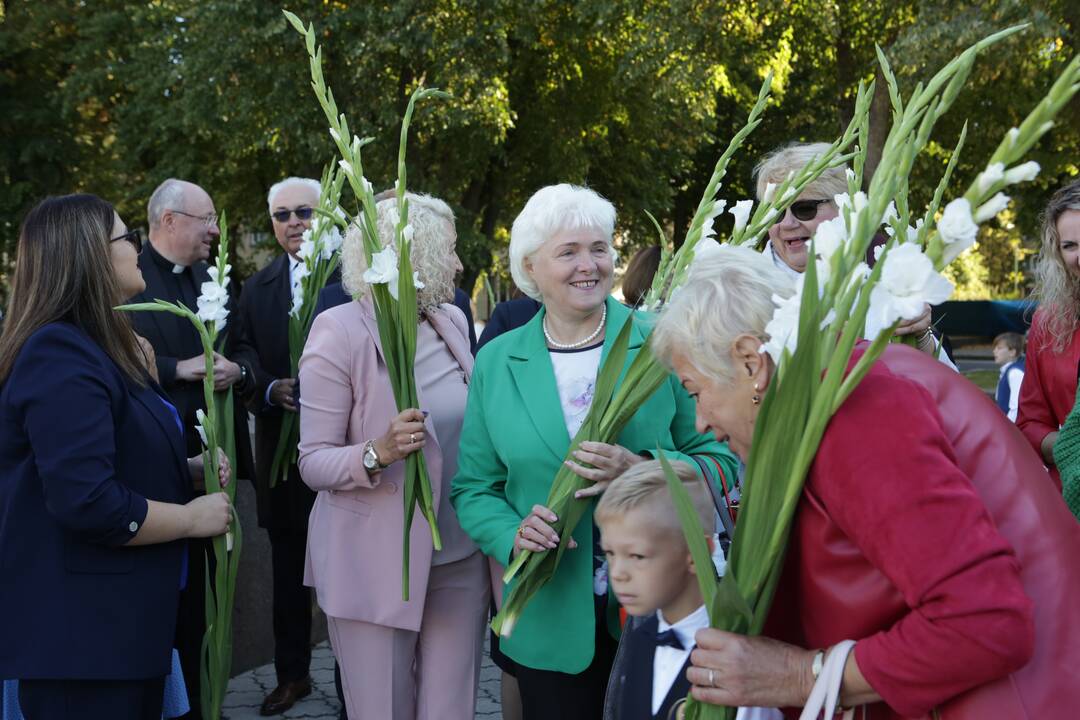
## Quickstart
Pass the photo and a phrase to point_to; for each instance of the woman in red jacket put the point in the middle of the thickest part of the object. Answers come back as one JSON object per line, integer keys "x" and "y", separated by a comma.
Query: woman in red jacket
{"x": 932, "y": 539}
{"x": 1049, "y": 387}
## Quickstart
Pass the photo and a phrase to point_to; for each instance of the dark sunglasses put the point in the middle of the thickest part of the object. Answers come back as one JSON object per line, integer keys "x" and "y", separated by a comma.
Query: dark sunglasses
{"x": 132, "y": 236}
{"x": 302, "y": 213}
{"x": 806, "y": 209}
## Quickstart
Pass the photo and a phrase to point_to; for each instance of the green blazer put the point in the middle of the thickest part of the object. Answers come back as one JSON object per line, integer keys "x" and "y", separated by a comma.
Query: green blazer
{"x": 512, "y": 445}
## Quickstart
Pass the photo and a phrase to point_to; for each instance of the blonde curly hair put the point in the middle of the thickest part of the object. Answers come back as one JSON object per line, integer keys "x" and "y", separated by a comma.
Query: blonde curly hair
{"x": 1056, "y": 289}
{"x": 432, "y": 250}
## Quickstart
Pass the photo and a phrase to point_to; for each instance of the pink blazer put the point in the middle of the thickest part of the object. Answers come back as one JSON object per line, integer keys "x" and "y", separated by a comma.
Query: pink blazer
{"x": 355, "y": 529}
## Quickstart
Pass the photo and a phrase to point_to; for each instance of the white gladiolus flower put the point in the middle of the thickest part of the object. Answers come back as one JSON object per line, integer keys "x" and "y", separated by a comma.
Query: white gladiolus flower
{"x": 306, "y": 249}
{"x": 741, "y": 212}
{"x": 783, "y": 329}
{"x": 334, "y": 134}
{"x": 991, "y": 207}
{"x": 368, "y": 188}
{"x": 355, "y": 145}
{"x": 829, "y": 237}
{"x": 957, "y": 228}
{"x": 770, "y": 190}
{"x": 297, "y": 302}
{"x": 1022, "y": 173}
{"x": 890, "y": 214}
{"x": 346, "y": 166}
{"x": 849, "y": 173}
{"x": 992, "y": 175}
{"x": 408, "y": 232}
{"x": 332, "y": 240}
{"x": 908, "y": 283}
{"x": 200, "y": 421}
{"x": 788, "y": 194}
{"x": 707, "y": 226}
{"x": 383, "y": 267}
{"x": 1013, "y": 135}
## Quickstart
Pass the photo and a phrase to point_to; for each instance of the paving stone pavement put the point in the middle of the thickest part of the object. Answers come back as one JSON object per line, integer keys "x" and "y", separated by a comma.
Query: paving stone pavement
{"x": 247, "y": 690}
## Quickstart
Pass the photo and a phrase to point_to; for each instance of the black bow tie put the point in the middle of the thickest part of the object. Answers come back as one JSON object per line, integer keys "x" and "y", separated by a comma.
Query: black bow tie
{"x": 670, "y": 639}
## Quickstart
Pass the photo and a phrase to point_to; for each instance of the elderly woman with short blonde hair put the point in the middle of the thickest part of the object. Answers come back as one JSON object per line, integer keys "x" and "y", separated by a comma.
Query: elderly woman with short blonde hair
{"x": 532, "y": 391}
{"x": 789, "y": 236}
{"x": 420, "y": 658}
{"x": 932, "y": 539}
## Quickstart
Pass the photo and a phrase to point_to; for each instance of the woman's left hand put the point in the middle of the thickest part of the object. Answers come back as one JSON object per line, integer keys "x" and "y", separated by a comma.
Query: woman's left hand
{"x": 195, "y": 465}
{"x": 917, "y": 326}
{"x": 749, "y": 671}
{"x": 608, "y": 462}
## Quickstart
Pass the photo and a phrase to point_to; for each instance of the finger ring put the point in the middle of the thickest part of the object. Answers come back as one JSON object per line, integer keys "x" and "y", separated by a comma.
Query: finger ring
{"x": 521, "y": 531}
{"x": 712, "y": 681}
{"x": 412, "y": 437}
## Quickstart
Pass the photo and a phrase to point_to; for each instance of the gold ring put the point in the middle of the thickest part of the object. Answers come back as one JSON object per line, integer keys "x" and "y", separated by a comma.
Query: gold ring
{"x": 412, "y": 438}
{"x": 521, "y": 531}
{"x": 712, "y": 680}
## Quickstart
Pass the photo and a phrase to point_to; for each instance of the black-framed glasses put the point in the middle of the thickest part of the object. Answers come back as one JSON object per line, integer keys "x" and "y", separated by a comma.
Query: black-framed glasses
{"x": 806, "y": 209}
{"x": 302, "y": 213}
{"x": 132, "y": 236}
{"x": 208, "y": 218}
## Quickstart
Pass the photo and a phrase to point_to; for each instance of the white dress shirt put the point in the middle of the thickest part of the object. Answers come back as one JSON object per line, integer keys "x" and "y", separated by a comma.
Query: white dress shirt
{"x": 668, "y": 661}
{"x": 293, "y": 280}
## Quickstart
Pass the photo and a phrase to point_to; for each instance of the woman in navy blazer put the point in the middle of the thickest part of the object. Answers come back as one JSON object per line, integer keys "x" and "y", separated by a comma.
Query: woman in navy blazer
{"x": 94, "y": 484}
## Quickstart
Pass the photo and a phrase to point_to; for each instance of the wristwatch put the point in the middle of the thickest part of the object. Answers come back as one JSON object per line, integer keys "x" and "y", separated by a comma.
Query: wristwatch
{"x": 371, "y": 458}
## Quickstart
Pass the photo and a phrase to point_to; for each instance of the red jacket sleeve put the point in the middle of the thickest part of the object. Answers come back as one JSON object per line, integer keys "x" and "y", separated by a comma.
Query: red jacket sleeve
{"x": 895, "y": 489}
{"x": 1035, "y": 415}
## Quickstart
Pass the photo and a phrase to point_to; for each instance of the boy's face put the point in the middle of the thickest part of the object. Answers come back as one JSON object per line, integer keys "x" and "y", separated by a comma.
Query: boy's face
{"x": 649, "y": 565}
{"x": 1003, "y": 354}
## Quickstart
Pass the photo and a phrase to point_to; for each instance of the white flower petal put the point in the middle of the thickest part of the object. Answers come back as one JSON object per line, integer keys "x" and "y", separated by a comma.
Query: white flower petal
{"x": 991, "y": 207}
{"x": 741, "y": 212}
{"x": 1022, "y": 173}
{"x": 992, "y": 175}
{"x": 957, "y": 228}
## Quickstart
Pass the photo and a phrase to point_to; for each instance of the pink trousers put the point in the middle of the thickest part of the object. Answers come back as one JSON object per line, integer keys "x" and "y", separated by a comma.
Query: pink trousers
{"x": 393, "y": 674}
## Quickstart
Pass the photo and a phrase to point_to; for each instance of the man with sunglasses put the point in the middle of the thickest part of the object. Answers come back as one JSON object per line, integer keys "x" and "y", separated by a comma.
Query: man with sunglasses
{"x": 183, "y": 225}
{"x": 789, "y": 237}
{"x": 262, "y": 332}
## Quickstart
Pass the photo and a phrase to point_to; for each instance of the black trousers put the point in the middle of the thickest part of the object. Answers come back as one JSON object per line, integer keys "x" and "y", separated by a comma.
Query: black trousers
{"x": 91, "y": 699}
{"x": 191, "y": 620}
{"x": 292, "y": 603}
{"x": 546, "y": 694}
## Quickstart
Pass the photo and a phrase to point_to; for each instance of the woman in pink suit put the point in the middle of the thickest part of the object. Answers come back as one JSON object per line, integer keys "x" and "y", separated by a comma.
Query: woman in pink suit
{"x": 401, "y": 660}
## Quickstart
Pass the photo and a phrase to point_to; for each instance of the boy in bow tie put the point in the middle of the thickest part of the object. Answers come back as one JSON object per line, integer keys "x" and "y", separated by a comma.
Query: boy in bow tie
{"x": 655, "y": 580}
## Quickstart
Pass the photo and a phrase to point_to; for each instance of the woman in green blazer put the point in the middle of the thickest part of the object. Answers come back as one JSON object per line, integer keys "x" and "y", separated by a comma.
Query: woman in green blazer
{"x": 530, "y": 392}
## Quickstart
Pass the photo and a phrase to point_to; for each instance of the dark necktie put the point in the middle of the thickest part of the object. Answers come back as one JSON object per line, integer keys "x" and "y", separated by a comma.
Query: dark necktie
{"x": 668, "y": 638}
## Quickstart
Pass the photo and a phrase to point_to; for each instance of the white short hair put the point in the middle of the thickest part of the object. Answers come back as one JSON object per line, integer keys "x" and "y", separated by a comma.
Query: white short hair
{"x": 279, "y": 186}
{"x": 430, "y": 253}
{"x": 548, "y": 212}
{"x": 729, "y": 293}
{"x": 169, "y": 195}
{"x": 792, "y": 158}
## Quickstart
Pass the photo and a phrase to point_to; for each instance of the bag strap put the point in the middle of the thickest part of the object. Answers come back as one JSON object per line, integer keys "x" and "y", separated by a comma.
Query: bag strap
{"x": 718, "y": 502}
{"x": 826, "y": 692}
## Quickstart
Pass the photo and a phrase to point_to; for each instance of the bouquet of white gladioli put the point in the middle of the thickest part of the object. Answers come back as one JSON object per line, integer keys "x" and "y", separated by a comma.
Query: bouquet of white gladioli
{"x": 838, "y": 302}
{"x": 391, "y": 278}
{"x": 217, "y": 432}
{"x": 320, "y": 255}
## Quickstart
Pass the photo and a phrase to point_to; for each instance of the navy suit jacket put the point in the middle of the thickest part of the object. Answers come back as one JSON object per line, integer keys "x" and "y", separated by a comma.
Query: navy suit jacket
{"x": 82, "y": 449}
{"x": 334, "y": 294}
{"x": 630, "y": 695}
{"x": 506, "y": 316}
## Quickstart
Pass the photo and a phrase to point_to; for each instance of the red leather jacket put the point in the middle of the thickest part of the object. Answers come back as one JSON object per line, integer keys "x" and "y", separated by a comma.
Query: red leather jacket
{"x": 927, "y": 532}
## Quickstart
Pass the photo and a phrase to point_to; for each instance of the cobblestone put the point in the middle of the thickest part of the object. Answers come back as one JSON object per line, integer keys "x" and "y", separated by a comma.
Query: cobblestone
{"x": 247, "y": 690}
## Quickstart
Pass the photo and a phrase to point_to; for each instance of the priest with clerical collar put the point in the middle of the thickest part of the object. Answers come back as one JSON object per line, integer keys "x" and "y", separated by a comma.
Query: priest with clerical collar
{"x": 182, "y": 226}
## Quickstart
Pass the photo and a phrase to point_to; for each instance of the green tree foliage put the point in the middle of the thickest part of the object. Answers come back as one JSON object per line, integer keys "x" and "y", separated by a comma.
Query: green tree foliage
{"x": 634, "y": 98}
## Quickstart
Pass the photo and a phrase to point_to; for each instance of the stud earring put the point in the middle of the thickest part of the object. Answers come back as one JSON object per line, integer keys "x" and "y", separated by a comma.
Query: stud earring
{"x": 756, "y": 399}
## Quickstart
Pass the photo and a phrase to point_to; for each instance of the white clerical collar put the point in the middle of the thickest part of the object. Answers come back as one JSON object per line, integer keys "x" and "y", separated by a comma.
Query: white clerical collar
{"x": 685, "y": 628}
{"x": 177, "y": 269}
{"x": 779, "y": 262}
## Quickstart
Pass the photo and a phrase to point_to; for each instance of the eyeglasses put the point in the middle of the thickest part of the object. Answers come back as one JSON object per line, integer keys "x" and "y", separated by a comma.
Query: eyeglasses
{"x": 806, "y": 209}
{"x": 132, "y": 236}
{"x": 302, "y": 213}
{"x": 209, "y": 218}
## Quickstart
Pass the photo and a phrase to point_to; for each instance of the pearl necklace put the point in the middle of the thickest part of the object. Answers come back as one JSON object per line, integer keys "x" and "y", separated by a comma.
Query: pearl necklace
{"x": 579, "y": 343}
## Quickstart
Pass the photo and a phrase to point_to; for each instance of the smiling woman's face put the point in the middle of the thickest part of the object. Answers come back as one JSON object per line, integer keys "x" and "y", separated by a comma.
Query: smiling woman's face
{"x": 574, "y": 271}
{"x": 790, "y": 236}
